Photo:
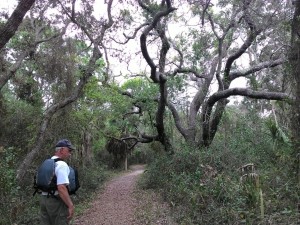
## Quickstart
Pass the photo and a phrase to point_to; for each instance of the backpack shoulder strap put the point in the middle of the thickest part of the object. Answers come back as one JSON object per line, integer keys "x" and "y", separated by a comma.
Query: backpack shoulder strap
{"x": 58, "y": 159}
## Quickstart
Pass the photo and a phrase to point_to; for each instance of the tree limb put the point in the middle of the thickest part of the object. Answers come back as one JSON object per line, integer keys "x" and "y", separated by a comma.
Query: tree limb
{"x": 143, "y": 41}
{"x": 177, "y": 120}
{"x": 251, "y": 37}
{"x": 132, "y": 36}
{"x": 269, "y": 64}
{"x": 10, "y": 27}
{"x": 247, "y": 93}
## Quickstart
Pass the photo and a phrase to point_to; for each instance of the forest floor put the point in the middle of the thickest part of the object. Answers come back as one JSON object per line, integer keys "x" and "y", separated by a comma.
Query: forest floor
{"x": 121, "y": 202}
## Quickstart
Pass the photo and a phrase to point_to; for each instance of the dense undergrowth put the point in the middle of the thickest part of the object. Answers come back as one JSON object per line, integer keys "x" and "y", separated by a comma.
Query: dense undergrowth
{"x": 243, "y": 178}
{"x": 201, "y": 191}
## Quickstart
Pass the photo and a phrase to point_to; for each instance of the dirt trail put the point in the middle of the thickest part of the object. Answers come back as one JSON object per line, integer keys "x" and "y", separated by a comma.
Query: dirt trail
{"x": 116, "y": 205}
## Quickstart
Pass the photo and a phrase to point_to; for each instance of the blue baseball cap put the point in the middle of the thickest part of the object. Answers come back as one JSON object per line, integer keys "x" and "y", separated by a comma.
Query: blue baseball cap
{"x": 65, "y": 143}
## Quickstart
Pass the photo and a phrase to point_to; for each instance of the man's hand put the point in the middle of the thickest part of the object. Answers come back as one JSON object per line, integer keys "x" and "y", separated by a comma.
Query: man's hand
{"x": 64, "y": 195}
{"x": 71, "y": 212}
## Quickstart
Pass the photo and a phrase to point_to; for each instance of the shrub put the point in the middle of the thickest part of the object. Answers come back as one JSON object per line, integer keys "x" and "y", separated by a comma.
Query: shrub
{"x": 203, "y": 185}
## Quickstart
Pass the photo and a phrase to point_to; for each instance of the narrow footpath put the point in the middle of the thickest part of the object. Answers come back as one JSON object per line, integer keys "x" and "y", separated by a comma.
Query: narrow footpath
{"x": 118, "y": 204}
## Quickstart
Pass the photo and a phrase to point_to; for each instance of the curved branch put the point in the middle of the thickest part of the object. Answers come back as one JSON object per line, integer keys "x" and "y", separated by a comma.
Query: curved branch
{"x": 177, "y": 120}
{"x": 132, "y": 36}
{"x": 149, "y": 138}
{"x": 210, "y": 126}
{"x": 194, "y": 72}
{"x": 143, "y": 41}
{"x": 235, "y": 74}
{"x": 251, "y": 37}
{"x": 240, "y": 51}
{"x": 221, "y": 46}
{"x": 247, "y": 93}
{"x": 180, "y": 69}
{"x": 205, "y": 7}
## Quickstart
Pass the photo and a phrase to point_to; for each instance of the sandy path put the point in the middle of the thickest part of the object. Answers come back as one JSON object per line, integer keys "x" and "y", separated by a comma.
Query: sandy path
{"x": 115, "y": 205}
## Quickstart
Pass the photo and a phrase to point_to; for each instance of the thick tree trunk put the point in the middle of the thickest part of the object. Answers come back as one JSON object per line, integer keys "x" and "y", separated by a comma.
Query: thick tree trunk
{"x": 87, "y": 153}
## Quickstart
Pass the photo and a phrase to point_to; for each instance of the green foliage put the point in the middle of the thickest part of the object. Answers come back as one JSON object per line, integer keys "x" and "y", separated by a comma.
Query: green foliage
{"x": 277, "y": 133}
{"x": 143, "y": 92}
{"x": 7, "y": 178}
{"x": 198, "y": 46}
{"x": 127, "y": 18}
{"x": 9, "y": 204}
{"x": 23, "y": 38}
{"x": 109, "y": 103}
{"x": 254, "y": 84}
{"x": 19, "y": 122}
{"x": 191, "y": 187}
{"x": 176, "y": 86}
{"x": 153, "y": 7}
{"x": 237, "y": 126}
{"x": 204, "y": 185}
{"x": 91, "y": 177}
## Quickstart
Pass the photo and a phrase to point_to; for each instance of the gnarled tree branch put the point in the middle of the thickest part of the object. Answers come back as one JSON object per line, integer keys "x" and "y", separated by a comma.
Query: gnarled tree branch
{"x": 10, "y": 27}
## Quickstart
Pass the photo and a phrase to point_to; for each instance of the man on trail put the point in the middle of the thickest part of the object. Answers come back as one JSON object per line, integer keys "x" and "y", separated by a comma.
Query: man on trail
{"x": 58, "y": 208}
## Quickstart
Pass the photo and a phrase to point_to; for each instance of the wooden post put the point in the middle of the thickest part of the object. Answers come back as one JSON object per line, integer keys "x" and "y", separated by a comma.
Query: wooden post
{"x": 125, "y": 161}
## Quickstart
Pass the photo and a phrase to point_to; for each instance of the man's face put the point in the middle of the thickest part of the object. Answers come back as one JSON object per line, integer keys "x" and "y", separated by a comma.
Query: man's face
{"x": 65, "y": 152}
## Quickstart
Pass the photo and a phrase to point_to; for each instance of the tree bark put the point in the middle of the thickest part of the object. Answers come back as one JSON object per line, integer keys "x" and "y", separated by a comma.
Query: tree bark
{"x": 158, "y": 76}
{"x": 294, "y": 61}
{"x": 86, "y": 151}
{"x": 13, "y": 22}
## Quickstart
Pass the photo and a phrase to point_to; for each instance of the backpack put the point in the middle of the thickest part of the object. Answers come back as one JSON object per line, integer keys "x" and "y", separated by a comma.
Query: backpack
{"x": 45, "y": 178}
